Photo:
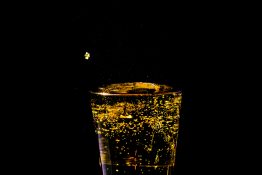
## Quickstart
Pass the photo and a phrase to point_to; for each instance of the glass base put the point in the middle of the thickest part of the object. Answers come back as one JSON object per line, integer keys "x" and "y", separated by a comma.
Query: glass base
{"x": 109, "y": 169}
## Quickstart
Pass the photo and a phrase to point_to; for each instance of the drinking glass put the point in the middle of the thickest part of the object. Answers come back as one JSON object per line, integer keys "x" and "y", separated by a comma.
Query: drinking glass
{"x": 137, "y": 126}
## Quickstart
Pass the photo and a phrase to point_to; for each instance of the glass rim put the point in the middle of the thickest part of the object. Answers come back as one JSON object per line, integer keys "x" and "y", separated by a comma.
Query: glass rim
{"x": 154, "y": 89}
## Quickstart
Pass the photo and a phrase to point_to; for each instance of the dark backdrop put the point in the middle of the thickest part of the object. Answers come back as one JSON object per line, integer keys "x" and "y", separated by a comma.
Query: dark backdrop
{"x": 160, "y": 43}
{"x": 164, "y": 43}
{"x": 189, "y": 46}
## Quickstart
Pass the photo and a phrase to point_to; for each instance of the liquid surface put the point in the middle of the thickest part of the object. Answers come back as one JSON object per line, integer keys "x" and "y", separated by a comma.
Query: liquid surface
{"x": 134, "y": 88}
{"x": 137, "y": 134}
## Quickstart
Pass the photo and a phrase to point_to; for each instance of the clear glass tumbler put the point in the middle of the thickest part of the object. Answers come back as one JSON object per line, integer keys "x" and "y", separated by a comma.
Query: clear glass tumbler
{"x": 137, "y": 126}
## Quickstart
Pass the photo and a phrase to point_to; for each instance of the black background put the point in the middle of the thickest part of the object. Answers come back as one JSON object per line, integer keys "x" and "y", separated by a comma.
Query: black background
{"x": 191, "y": 46}
{"x": 159, "y": 43}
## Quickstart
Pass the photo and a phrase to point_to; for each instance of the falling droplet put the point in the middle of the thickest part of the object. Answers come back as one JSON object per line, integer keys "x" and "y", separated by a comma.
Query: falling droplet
{"x": 87, "y": 55}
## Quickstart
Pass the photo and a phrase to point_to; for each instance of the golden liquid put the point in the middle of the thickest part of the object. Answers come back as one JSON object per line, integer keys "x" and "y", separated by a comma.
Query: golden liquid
{"x": 137, "y": 134}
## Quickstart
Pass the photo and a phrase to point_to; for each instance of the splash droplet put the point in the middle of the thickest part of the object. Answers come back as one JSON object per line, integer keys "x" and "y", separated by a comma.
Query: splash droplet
{"x": 87, "y": 55}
